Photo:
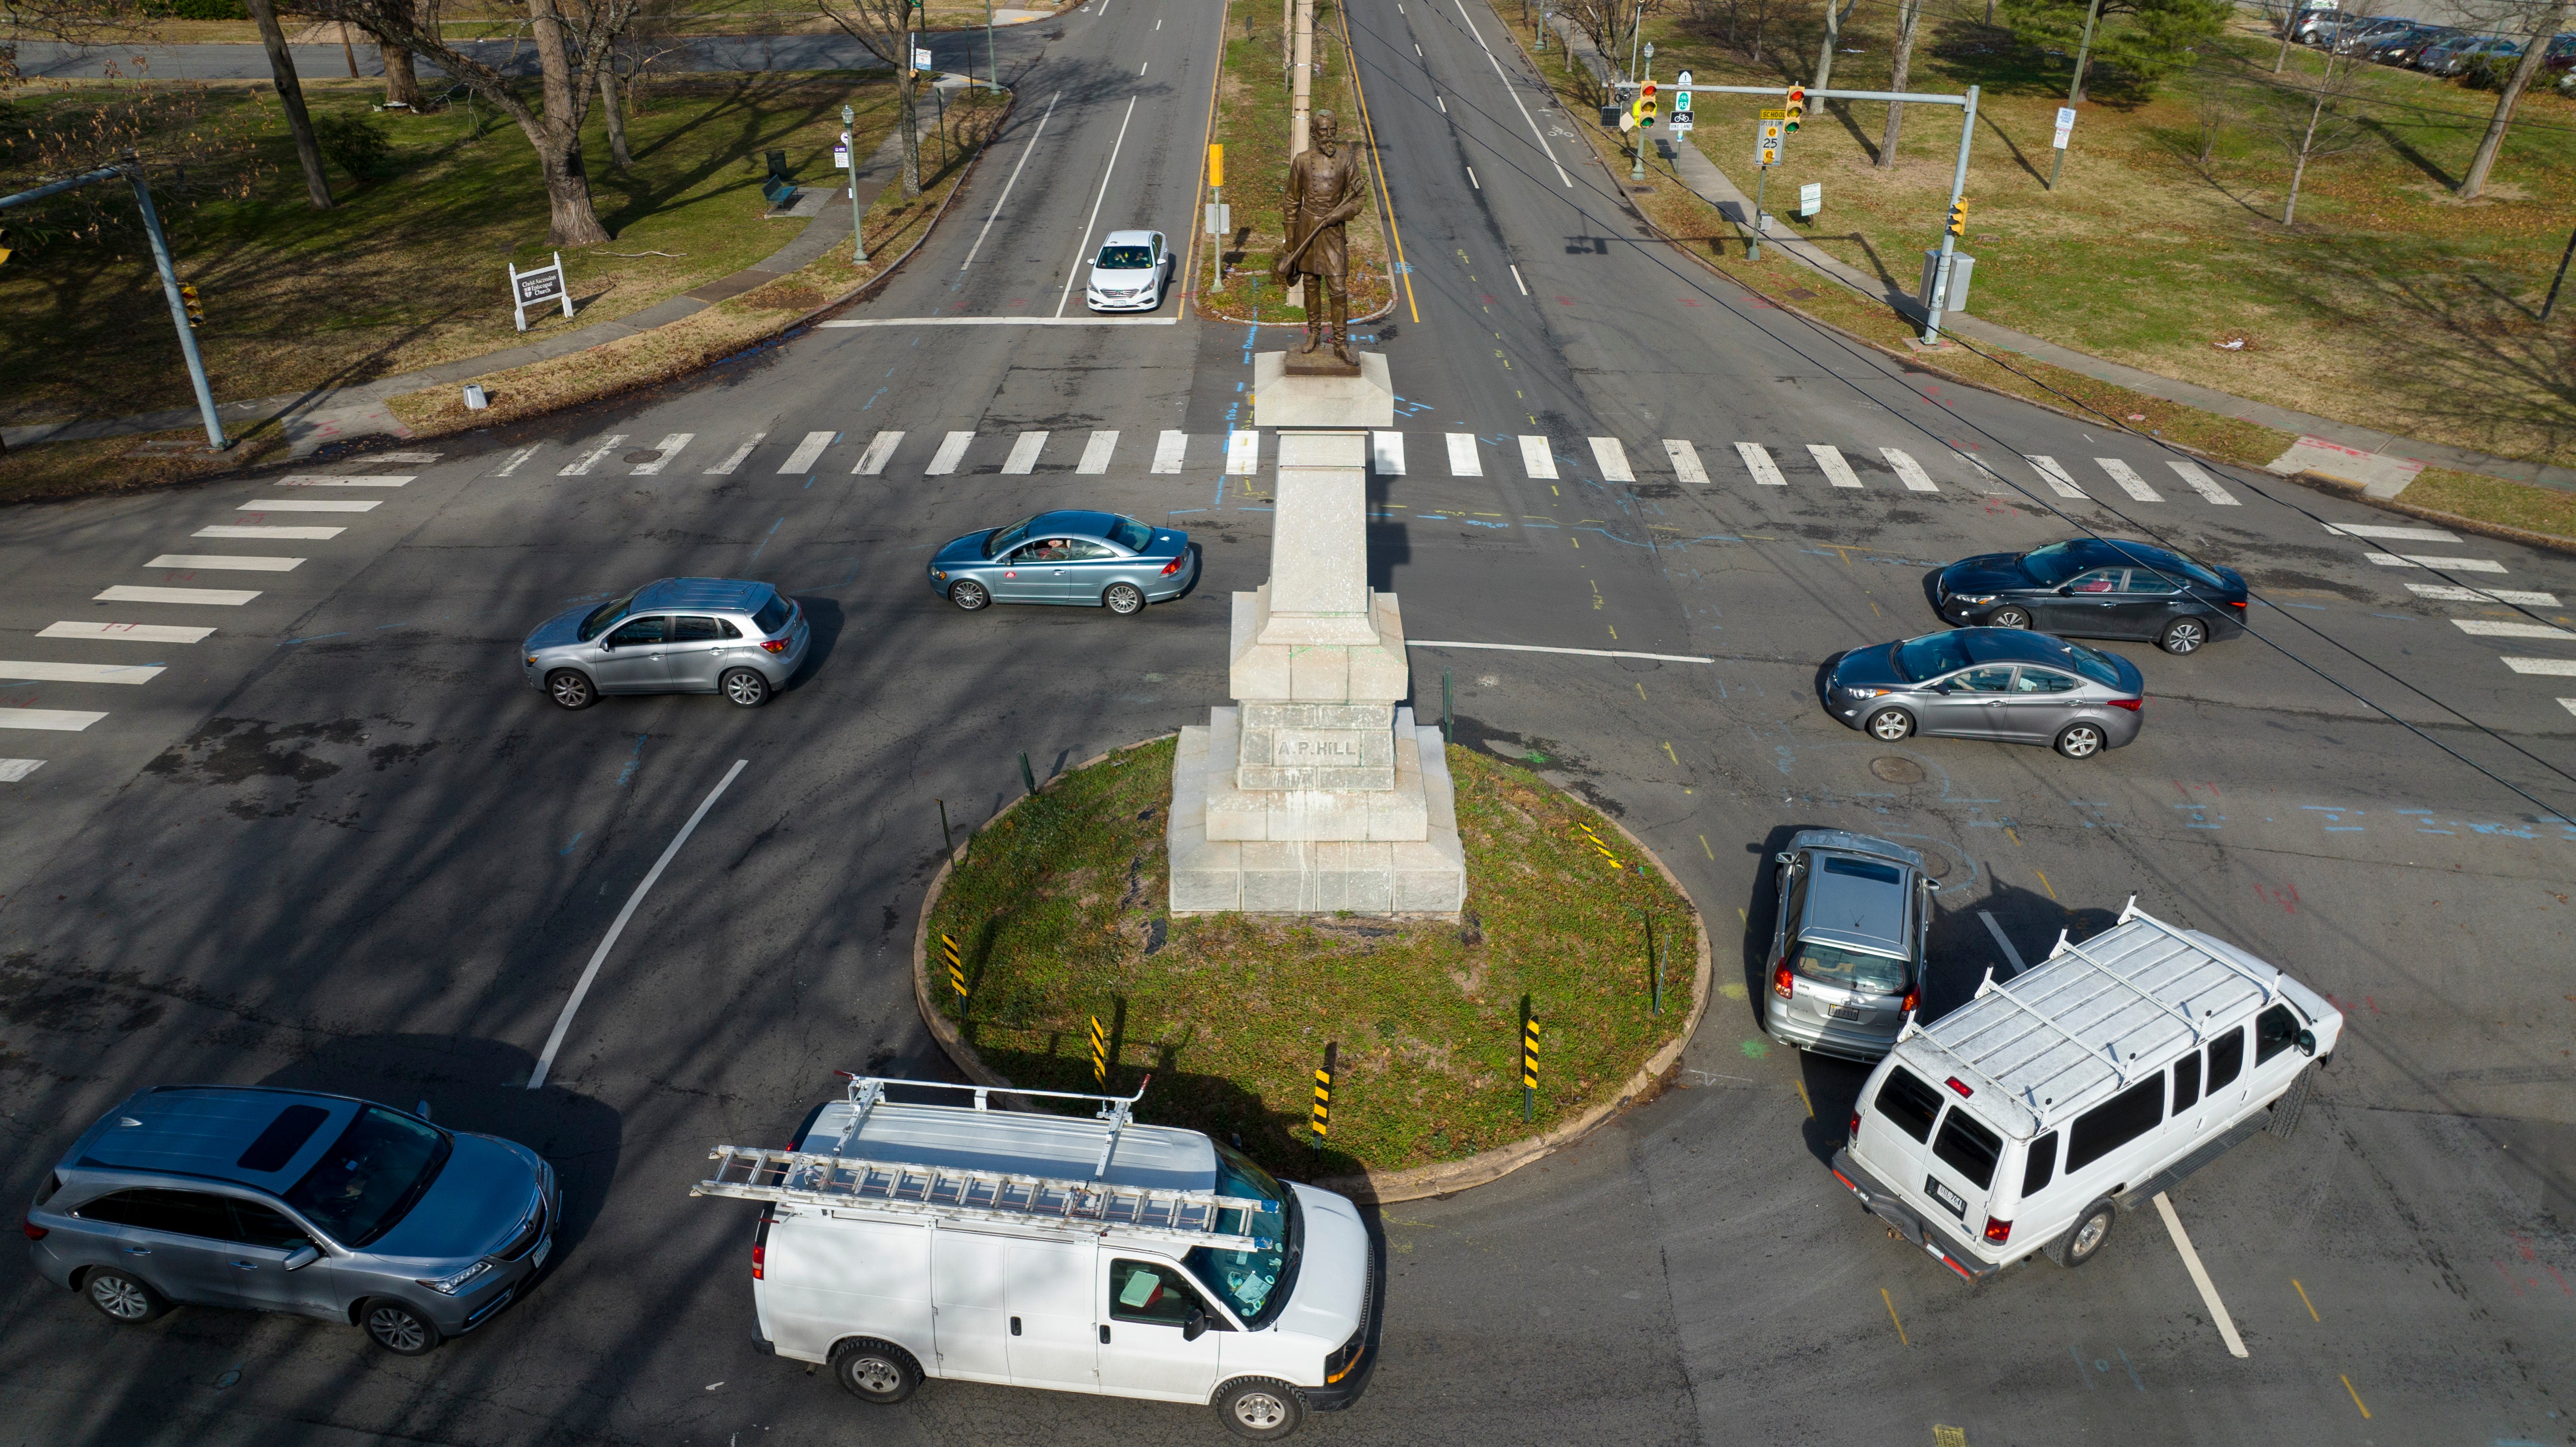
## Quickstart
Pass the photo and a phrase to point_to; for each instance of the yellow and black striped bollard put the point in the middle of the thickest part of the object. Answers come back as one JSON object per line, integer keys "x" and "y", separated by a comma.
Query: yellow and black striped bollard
{"x": 1099, "y": 1053}
{"x": 1529, "y": 1060}
{"x": 1323, "y": 1120}
{"x": 956, "y": 969}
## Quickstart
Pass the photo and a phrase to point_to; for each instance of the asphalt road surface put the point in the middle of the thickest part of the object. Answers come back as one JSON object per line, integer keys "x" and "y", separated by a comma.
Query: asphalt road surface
{"x": 337, "y": 842}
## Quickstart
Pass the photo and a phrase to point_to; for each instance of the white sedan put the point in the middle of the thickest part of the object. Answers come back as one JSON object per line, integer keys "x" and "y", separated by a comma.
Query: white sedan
{"x": 1130, "y": 273}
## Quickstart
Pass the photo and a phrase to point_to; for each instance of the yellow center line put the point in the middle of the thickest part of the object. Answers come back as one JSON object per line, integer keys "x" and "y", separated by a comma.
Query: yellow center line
{"x": 2303, "y": 1300}
{"x": 1711, "y": 853}
{"x": 1900, "y": 1326}
{"x": 2356, "y": 1396}
{"x": 1802, "y": 1098}
{"x": 1668, "y": 743}
{"x": 2043, "y": 881}
{"x": 1386, "y": 197}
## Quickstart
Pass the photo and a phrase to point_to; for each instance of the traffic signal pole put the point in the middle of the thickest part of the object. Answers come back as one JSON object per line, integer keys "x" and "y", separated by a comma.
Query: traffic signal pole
{"x": 1951, "y": 226}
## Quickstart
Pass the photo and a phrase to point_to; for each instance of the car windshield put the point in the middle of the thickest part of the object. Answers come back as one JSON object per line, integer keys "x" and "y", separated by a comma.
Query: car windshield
{"x": 2054, "y": 564}
{"x": 1256, "y": 1283}
{"x": 2094, "y": 664}
{"x": 1005, "y": 539}
{"x": 1125, "y": 258}
{"x": 1930, "y": 656}
{"x": 1130, "y": 534}
{"x": 1851, "y": 969}
{"x": 605, "y": 614}
{"x": 371, "y": 1175}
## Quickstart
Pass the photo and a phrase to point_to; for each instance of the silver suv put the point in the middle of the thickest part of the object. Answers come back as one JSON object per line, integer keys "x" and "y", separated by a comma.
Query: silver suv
{"x": 1846, "y": 943}
{"x": 679, "y": 635}
{"x": 285, "y": 1200}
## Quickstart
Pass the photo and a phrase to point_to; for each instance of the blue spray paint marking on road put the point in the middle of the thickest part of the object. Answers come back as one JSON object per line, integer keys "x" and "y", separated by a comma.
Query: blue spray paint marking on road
{"x": 634, "y": 761}
{"x": 1176, "y": 512}
{"x": 569, "y": 843}
{"x": 314, "y": 638}
{"x": 872, "y": 401}
{"x": 1471, "y": 522}
{"x": 765, "y": 537}
{"x": 2199, "y": 816}
{"x": 381, "y": 627}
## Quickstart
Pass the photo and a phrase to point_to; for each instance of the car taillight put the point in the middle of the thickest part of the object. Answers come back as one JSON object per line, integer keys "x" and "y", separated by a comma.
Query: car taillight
{"x": 774, "y": 645}
{"x": 1998, "y": 1232}
{"x": 34, "y": 1231}
{"x": 2238, "y": 605}
{"x": 1783, "y": 984}
{"x": 1854, "y": 1132}
{"x": 1961, "y": 1086}
{"x": 2131, "y": 704}
{"x": 1912, "y": 998}
{"x": 760, "y": 1261}
{"x": 1171, "y": 567}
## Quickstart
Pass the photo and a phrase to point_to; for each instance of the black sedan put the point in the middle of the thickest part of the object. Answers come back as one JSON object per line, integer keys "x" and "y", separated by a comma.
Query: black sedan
{"x": 2097, "y": 588}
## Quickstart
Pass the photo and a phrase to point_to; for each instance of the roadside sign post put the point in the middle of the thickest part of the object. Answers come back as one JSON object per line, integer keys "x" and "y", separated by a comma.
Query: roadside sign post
{"x": 1766, "y": 154}
{"x": 2074, "y": 89}
{"x": 1682, "y": 104}
{"x": 858, "y": 236}
{"x": 1811, "y": 198}
{"x": 2065, "y": 128}
{"x": 1220, "y": 217}
{"x": 536, "y": 288}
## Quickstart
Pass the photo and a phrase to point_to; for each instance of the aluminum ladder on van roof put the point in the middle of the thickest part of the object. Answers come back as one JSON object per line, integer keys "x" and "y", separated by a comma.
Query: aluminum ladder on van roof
{"x": 1189, "y": 1218}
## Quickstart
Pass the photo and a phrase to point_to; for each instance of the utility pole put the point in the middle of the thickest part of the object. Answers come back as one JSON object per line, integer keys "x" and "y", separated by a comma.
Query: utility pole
{"x": 992, "y": 72}
{"x": 1302, "y": 84}
{"x": 1949, "y": 236}
{"x": 858, "y": 237}
{"x": 2551, "y": 305}
{"x": 2075, "y": 87}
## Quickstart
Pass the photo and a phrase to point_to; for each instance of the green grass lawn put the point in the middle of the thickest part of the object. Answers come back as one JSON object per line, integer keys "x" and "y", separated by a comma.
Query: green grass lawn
{"x": 409, "y": 269}
{"x": 1060, "y": 914}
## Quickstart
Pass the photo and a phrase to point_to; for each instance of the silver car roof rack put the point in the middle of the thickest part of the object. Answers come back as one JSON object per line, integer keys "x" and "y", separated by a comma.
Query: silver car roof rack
{"x": 867, "y": 1092}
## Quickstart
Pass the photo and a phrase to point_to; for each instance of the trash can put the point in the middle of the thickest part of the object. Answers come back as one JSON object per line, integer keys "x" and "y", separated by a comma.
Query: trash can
{"x": 1962, "y": 267}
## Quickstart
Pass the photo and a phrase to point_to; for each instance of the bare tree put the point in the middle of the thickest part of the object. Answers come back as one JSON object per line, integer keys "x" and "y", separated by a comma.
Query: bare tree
{"x": 884, "y": 27}
{"x": 2214, "y": 103}
{"x": 1833, "y": 36}
{"x": 290, "y": 96}
{"x": 1909, "y": 13}
{"x": 2312, "y": 120}
{"x": 2543, "y": 20}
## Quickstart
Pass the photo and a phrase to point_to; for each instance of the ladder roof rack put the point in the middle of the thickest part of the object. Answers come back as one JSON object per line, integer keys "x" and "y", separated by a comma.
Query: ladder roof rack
{"x": 867, "y": 1092}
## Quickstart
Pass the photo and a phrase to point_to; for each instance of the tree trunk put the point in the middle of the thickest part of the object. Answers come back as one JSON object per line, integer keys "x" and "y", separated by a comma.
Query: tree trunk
{"x": 2290, "y": 208}
{"x": 2475, "y": 183}
{"x": 907, "y": 102}
{"x": 1908, "y": 13}
{"x": 612, "y": 101}
{"x": 290, "y": 94}
{"x": 402, "y": 82}
{"x": 1833, "y": 36}
{"x": 557, "y": 135}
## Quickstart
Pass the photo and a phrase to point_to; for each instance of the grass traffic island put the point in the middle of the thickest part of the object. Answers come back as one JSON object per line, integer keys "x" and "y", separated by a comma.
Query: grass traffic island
{"x": 1058, "y": 910}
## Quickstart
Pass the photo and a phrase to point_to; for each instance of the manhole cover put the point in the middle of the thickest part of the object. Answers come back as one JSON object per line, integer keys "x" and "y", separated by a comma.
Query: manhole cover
{"x": 1897, "y": 771}
{"x": 643, "y": 455}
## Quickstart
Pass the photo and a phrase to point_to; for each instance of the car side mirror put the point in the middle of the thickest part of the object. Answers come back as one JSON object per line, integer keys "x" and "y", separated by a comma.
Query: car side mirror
{"x": 302, "y": 1256}
{"x": 608, "y": 645}
{"x": 1941, "y": 688}
{"x": 1932, "y": 886}
{"x": 1784, "y": 857}
{"x": 2066, "y": 590}
{"x": 1196, "y": 1326}
{"x": 2307, "y": 1042}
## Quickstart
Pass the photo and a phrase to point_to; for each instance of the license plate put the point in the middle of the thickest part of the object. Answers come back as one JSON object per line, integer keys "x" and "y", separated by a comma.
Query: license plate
{"x": 1846, "y": 1012}
{"x": 539, "y": 1258}
{"x": 1957, "y": 1203}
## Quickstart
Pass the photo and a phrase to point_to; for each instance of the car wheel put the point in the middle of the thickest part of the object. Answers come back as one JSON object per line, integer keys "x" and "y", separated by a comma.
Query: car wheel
{"x": 399, "y": 1329}
{"x": 571, "y": 688}
{"x": 1260, "y": 1408}
{"x": 1123, "y": 599}
{"x": 1890, "y": 724}
{"x": 2008, "y": 618}
{"x": 2183, "y": 635}
{"x": 2084, "y": 1240}
{"x": 122, "y": 1298}
{"x": 968, "y": 595}
{"x": 2080, "y": 740}
{"x": 745, "y": 686}
{"x": 876, "y": 1371}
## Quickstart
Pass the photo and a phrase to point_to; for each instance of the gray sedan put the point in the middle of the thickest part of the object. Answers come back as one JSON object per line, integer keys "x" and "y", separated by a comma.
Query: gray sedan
{"x": 1990, "y": 683}
{"x": 678, "y": 635}
{"x": 1079, "y": 559}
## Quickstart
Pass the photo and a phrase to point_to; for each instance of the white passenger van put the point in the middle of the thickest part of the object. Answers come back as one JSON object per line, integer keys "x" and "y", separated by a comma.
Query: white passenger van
{"x": 2031, "y": 1117}
{"x": 1095, "y": 1255}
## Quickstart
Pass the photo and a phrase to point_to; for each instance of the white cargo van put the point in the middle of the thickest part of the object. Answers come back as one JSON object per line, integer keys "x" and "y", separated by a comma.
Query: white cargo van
{"x": 1095, "y": 1255}
{"x": 2031, "y": 1117}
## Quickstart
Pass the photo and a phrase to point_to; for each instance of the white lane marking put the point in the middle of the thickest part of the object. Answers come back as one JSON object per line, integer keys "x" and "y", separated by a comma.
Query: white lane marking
{"x": 2568, "y": 704}
{"x": 2012, "y": 956}
{"x": 1685, "y": 459}
{"x": 1980, "y": 471}
{"x": 1003, "y": 322}
{"x": 1908, "y": 471}
{"x": 2201, "y": 482}
{"x": 1463, "y": 461}
{"x": 2054, "y": 475}
{"x": 1082, "y": 243}
{"x": 219, "y": 562}
{"x": 2449, "y": 594}
{"x": 1580, "y": 652}
{"x": 880, "y": 451}
{"x": 126, "y": 632}
{"x": 51, "y": 720}
{"x": 309, "y": 504}
{"x": 78, "y": 672}
{"x": 669, "y": 447}
{"x": 2127, "y": 476}
{"x": 511, "y": 466}
{"x": 2487, "y": 628}
{"x": 14, "y": 771}
{"x": 406, "y": 456}
{"x": 2200, "y": 1278}
{"x": 1444, "y": 105}
{"x": 1001, "y": 200}
{"x": 1515, "y": 94}
{"x": 735, "y": 458}
{"x": 1140, "y": 70}
{"x": 2545, "y": 667}
{"x": 807, "y": 450}
{"x": 317, "y": 479}
{"x": 1536, "y": 460}
{"x": 1837, "y": 471}
{"x": 1417, "y": 50}
{"x": 563, "y": 1022}
{"x": 952, "y": 449}
{"x": 1386, "y": 454}
{"x": 1473, "y": 182}
{"x": 581, "y": 466}
{"x": 1516, "y": 277}
{"x": 222, "y": 597}
{"x": 231, "y": 530}
{"x": 1612, "y": 459}
{"x": 1024, "y": 453}
{"x": 1243, "y": 452}
{"x": 1168, "y": 450}
{"x": 1095, "y": 454}
{"x": 2395, "y": 535}
{"x": 1757, "y": 460}
{"x": 2448, "y": 565}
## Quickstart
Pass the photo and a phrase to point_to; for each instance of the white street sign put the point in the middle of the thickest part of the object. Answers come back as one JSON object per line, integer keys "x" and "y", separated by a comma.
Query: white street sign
{"x": 1682, "y": 121}
{"x": 1811, "y": 198}
{"x": 920, "y": 58}
{"x": 1220, "y": 218}
{"x": 1685, "y": 80}
{"x": 1767, "y": 149}
{"x": 1681, "y": 100}
{"x": 840, "y": 158}
{"x": 538, "y": 287}
{"x": 2065, "y": 126}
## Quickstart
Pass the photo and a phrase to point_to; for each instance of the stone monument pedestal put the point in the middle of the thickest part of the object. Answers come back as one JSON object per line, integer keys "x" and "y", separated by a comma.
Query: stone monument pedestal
{"x": 1281, "y": 398}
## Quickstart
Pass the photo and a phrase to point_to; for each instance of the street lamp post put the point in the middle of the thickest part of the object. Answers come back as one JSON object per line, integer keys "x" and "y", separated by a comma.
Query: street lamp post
{"x": 858, "y": 235}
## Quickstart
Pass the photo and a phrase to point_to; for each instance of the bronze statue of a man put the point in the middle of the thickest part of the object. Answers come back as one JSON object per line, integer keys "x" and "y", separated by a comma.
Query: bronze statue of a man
{"x": 1325, "y": 190}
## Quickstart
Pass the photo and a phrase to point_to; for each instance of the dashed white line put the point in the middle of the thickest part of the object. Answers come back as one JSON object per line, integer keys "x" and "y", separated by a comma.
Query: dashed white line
{"x": 1516, "y": 278}
{"x": 1472, "y": 181}
{"x": 225, "y": 563}
{"x": 1004, "y": 198}
{"x": 1514, "y": 92}
{"x": 2200, "y": 1278}
{"x": 1082, "y": 244}
{"x": 2002, "y": 942}
{"x": 1444, "y": 105}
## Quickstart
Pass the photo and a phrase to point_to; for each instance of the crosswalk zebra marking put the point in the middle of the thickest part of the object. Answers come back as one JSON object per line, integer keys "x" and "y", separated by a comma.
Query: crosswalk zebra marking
{"x": 1611, "y": 456}
{"x": 807, "y": 450}
{"x": 952, "y": 449}
{"x": 1463, "y": 461}
{"x": 1096, "y": 454}
{"x": 319, "y": 479}
{"x": 221, "y": 597}
{"x": 281, "y": 534}
{"x": 309, "y": 504}
{"x": 1386, "y": 454}
{"x": 1685, "y": 460}
{"x": 1980, "y": 474}
{"x": 2393, "y": 535}
{"x": 1836, "y": 470}
{"x": 1537, "y": 460}
{"x": 225, "y": 563}
{"x": 1168, "y": 452}
{"x": 2492, "y": 628}
{"x": 1243, "y": 452}
{"x": 1908, "y": 471}
{"x": 510, "y": 467}
{"x": 581, "y": 466}
{"x": 14, "y": 771}
{"x": 879, "y": 451}
{"x": 51, "y": 720}
{"x": 1024, "y": 454}
{"x": 2055, "y": 476}
{"x": 2544, "y": 667}
{"x": 2450, "y": 594}
{"x": 78, "y": 672}
{"x": 1757, "y": 461}
{"x": 125, "y": 632}
{"x": 664, "y": 450}
{"x": 2201, "y": 482}
{"x": 737, "y": 457}
{"x": 2447, "y": 565}
{"x": 2128, "y": 479}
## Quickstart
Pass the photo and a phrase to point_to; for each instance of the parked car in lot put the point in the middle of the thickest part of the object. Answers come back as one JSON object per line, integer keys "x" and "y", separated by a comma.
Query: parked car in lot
{"x": 2310, "y": 24}
{"x": 293, "y": 1201}
{"x": 1130, "y": 273}
{"x": 1078, "y": 559}
{"x": 679, "y": 635}
{"x": 2036, "y": 1115}
{"x": 2454, "y": 55}
{"x": 2404, "y": 46}
{"x": 2097, "y": 588}
{"x": 2357, "y": 34}
{"x": 1846, "y": 943}
{"x": 1990, "y": 683}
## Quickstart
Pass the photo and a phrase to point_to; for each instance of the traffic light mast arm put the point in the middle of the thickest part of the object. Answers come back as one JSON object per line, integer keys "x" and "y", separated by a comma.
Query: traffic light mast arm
{"x": 1916, "y": 97}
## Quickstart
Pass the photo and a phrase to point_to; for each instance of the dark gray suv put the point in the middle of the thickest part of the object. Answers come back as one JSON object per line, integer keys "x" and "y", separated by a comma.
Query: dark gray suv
{"x": 285, "y": 1200}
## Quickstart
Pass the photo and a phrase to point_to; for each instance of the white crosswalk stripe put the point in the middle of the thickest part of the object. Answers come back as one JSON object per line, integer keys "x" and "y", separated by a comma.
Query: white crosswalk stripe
{"x": 2128, "y": 479}
{"x": 1757, "y": 461}
{"x": 667, "y": 449}
{"x": 1096, "y": 454}
{"x": 2568, "y": 704}
{"x": 53, "y": 720}
{"x": 219, "y": 562}
{"x": 1537, "y": 460}
{"x": 1980, "y": 470}
{"x": 78, "y": 672}
{"x": 1243, "y": 452}
{"x": 1024, "y": 454}
{"x": 880, "y": 448}
{"x": 2201, "y": 482}
{"x": 15, "y": 770}
{"x": 2393, "y": 535}
{"x": 275, "y": 533}
{"x": 2447, "y": 565}
{"x": 316, "y": 479}
{"x": 2546, "y": 667}
{"x": 807, "y": 450}
{"x": 2054, "y": 475}
{"x": 581, "y": 466}
{"x": 309, "y": 504}
{"x": 1612, "y": 458}
{"x": 2494, "y": 628}
{"x": 1168, "y": 452}
{"x": 1908, "y": 471}
{"x": 2451, "y": 594}
{"x": 1685, "y": 460}
{"x": 222, "y": 597}
{"x": 510, "y": 467}
{"x": 126, "y": 632}
{"x": 1463, "y": 461}
{"x": 736, "y": 457}
{"x": 1386, "y": 454}
{"x": 952, "y": 450}
{"x": 1836, "y": 470}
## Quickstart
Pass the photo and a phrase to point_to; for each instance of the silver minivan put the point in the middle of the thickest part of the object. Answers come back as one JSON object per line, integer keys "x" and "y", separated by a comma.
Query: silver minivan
{"x": 1846, "y": 943}
{"x": 288, "y": 1200}
{"x": 679, "y": 635}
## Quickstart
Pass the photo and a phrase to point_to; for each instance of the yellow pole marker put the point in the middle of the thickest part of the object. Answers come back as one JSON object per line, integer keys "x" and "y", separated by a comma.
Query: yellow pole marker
{"x": 2303, "y": 1300}
{"x": 1099, "y": 1053}
{"x": 2356, "y": 1396}
{"x": 1323, "y": 1117}
{"x": 956, "y": 971}
{"x": 1891, "y": 1316}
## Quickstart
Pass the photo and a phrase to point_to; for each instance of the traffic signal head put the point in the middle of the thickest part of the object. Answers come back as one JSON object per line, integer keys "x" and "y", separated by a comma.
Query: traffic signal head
{"x": 1797, "y": 107}
{"x": 1959, "y": 217}
{"x": 1646, "y": 105}
{"x": 196, "y": 309}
